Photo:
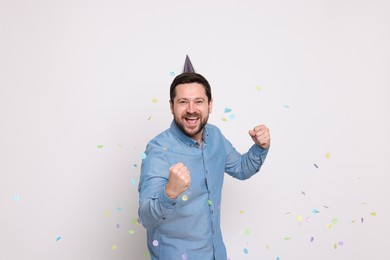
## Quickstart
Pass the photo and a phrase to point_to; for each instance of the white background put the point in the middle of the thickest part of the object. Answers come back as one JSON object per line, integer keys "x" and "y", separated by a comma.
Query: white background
{"x": 77, "y": 85}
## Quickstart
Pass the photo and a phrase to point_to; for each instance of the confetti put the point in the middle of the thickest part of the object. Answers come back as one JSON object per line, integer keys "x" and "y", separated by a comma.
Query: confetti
{"x": 172, "y": 73}
{"x": 99, "y": 146}
{"x": 58, "y": 238}
{"x": 135, "y": 221}
{"x": 312, "y": 239}
{"x": 287, "y": 213}
{"x": 285, "y": 106}
{"x": 107, "y": 213}
{"x": 315, "y": 211}
{"x": 341, "y": 243}
{"x": 210, "y": 202}
{"x": 184, "y": 257}
{"x": 143, "y": 156}
{"x": 287, "y": 238}
{"x": 327, "y": 155}
{"x": 258, "y": 88}
{"x": 300, "y": 218}
{"x": 329, "y": 226}
{"x": 113, "y": 247}
{"x": 267, "y": 246}
{"x": 150, "y": 117}
{"x": 362, "y": 220}
{"x": 247, "y": 231}
{"x": 131, "y": 231}
{"x": 147, "y": 255}
{"x": 135, "y": 165}
{"x": 231, "y": 116}
{"x": 242, "y": 211}
{"x": 303, "y": 193}
{"x": 119, "y": 209}
{"x": 224, "y": 119}
{"x": 315, "y": 165}
{"x": 184, "y": 198}
{"x": 278, "y": 258}
{"x": 154, "y": 100}
{"x": 335, "y": 246}
{"x": 334, "y": 221}
{"x": 155, "y": 243}
{"x": 117, "y": 226}
{"x": 373, "y": 214}
{"x": 16, "y": 197}
{"x": 245, "y": 251}
{"x": 227, "y": 110}
{"x": 308, "y": 220}
{"x": 133, "y": 181}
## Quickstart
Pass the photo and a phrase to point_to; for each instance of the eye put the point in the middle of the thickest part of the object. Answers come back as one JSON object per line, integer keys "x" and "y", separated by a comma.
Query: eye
{"x": 183, "y": 101}
{"x": 199, "y": 101}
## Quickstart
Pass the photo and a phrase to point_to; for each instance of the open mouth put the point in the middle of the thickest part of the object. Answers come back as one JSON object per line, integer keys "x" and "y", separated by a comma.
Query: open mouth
{"x": 192, "y": 120}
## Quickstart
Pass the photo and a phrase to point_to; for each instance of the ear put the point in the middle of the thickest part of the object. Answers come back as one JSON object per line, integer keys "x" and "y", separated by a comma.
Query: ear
{"x": 210, "y": 106}
{"x": 171, "y": 106}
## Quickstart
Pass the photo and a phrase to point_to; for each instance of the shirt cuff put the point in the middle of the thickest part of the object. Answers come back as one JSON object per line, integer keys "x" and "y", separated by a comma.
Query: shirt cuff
{"x": 166, "y": 201}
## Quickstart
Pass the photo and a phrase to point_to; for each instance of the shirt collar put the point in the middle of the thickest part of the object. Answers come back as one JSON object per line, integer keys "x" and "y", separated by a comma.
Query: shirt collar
{"x": 186, "y": 139}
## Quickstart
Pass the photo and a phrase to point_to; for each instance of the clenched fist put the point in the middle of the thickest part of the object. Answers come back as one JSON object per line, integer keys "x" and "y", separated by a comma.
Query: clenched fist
{"x": 260, "y": 135}
{"x": 178, "y": 181}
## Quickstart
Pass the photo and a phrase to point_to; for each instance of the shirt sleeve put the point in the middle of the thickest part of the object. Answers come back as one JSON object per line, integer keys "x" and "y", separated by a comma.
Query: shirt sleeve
{"x": 154, "y": 204}
{"x": 243, "y": 166}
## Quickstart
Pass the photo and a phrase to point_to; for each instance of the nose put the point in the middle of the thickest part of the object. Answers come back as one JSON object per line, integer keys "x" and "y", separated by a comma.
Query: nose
{"x": 190, "y": 107}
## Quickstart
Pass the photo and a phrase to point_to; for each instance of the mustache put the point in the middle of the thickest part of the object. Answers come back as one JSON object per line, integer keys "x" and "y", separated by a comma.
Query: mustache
{"x": 192, "y": 114}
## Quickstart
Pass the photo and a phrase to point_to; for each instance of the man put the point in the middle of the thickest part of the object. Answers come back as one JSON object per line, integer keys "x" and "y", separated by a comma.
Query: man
{"x": 182, "y": 175}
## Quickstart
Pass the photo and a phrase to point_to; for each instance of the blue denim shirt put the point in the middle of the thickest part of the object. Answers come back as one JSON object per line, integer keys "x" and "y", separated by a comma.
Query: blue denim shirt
{"x": 188, "y": 227}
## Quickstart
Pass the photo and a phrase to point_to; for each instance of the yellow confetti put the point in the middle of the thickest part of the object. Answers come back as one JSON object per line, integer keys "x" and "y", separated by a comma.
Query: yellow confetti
{"x": 184, "y": 197}
{"x": 329, "y": 226}
{"x": 113, "y": 247}
{"x": 327, "y": 155}
{"x": 154, "y": 100}
{"x": 150, "y": 117}
{"x": 287, "y": 238}
{"x": 267, "y": 246}
{"x": 224, "y": 119}
{"x": 242, "y": 211}
{"x": 258, "y": 88}
{"x": 99, "y": 146}
{"x": 300, "y": 218}
{"x": 107, "y": 213}
{"x": 335, "y": 245}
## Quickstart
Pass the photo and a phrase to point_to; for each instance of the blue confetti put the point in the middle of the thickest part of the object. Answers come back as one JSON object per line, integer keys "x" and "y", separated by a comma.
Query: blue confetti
{"x": 285, "y": 106}
{"x": 231, "y": 116}
{"x": 133, "y": 181}
{"x": 143, "y": 156}
{"x": 315, "y": 211}
{"x": 16, "y": 197}
{"x": 245, "y": 251}
{"x": 227, "y": 110}
{"x": 58, "y": 238}
{"x": 172, "y": 73}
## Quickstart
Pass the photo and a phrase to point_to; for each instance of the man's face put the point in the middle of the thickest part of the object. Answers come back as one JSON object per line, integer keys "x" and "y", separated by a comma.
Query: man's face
{"x": 191, "y": 109}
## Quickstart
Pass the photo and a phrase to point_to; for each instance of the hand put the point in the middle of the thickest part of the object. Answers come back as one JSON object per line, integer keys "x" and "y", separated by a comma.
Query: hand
{"x": 178, "y": 181}
{"x": 260, "y": 135}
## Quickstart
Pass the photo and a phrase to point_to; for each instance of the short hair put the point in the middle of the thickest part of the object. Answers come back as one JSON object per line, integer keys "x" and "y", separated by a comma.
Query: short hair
{"x": 190, "y": 77}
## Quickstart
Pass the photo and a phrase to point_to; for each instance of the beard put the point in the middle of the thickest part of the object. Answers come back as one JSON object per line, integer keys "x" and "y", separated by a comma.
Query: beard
{"x": 191, "y": 132}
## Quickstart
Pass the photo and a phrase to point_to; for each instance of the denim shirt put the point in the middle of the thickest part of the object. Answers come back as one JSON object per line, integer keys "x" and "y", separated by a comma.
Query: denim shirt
{"x": 188, "y": 227}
